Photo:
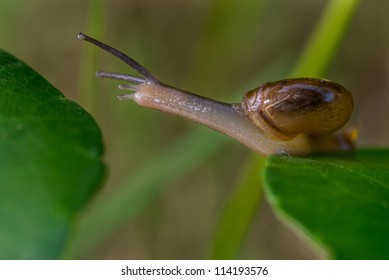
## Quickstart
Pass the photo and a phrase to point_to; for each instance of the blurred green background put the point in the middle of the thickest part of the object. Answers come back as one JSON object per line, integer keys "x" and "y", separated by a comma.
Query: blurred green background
{"x": 169, "y": 179}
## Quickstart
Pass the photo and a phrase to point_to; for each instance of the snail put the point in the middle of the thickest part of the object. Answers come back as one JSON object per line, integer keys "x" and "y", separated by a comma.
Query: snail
{"x": 294, "y": 116}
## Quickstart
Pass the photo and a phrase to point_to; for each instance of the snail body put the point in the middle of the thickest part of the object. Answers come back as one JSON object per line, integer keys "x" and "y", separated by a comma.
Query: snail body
{"x": 294, "y": 116}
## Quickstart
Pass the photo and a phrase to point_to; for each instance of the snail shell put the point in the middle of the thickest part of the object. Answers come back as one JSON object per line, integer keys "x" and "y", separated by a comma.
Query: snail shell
{"x": 309, "y": 106}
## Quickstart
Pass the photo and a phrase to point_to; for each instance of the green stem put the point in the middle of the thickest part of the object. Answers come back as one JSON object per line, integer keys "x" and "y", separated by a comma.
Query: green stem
{"x": 325, "y": 39}
{"x": 87, "y": 82}
{"x": 317, "y": 55}
{"x": 239, "y": 212}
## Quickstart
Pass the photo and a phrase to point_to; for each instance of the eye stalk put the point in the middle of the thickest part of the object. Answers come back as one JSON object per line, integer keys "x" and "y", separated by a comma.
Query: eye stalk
{"x": 146, "y": 74}
{"x": 294, "y": 116}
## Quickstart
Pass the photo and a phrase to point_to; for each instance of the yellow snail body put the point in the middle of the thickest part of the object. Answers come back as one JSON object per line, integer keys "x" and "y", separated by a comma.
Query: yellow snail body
{"x": 294, "y": 116}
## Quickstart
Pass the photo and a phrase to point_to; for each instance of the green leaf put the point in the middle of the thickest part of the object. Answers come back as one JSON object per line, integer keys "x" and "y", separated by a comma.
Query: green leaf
{"x": 50, "y": 163}
{"x": 341, "y": 201}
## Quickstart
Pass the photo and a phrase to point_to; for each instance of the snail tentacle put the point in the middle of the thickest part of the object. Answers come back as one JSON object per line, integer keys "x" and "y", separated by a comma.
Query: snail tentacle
{"x": 145, "y": 73}
{"x": 125, "y": 77}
